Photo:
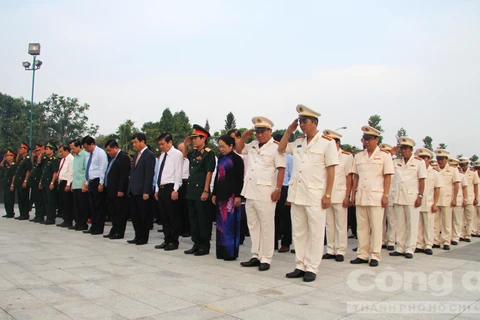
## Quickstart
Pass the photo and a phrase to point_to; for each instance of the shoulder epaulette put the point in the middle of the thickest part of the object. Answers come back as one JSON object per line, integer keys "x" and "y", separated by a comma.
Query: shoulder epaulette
{"x": 436, "y": 169}
{"x": 388, "y": 152}
{"x": 274, "y": 141}
{"x": 346, "y": 152}
{"x": 418, "y": 158}
{"x": 208, "y": 149}
{"x": 327, "y": 137}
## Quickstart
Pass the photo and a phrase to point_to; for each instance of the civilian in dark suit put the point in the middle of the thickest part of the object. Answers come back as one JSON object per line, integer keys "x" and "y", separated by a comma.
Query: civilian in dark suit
{"x": 116, "y": 184}
{"x": 140, "y": 188}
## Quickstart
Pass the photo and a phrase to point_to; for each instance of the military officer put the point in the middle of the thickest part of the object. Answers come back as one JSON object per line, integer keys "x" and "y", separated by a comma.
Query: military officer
{"x": 262, "y": 189}
{"x": 407, "y": 190}
{"x": 372, "y": 169}
{"x": 9, "y": 168}
{"x": 428, "y": 209}
{"x": 33, "y": 182}
{"x": 202, "y": 164}
{"x": 458, "y": 209}
{"x": 20, "y": 182}
{"x": 48, "y": 183}
{"x": 446, "y": 201}
{"x": 336, "y": 222}
{"x": 470, "y": 201}
{"x": 389, "y": 224}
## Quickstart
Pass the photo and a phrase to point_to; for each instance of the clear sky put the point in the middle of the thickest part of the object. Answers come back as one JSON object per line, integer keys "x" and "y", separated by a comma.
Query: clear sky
{"x": 415, "y": 63}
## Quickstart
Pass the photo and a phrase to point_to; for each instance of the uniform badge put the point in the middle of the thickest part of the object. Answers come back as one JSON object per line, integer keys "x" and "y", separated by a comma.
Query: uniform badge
{"x": 198, "y": 158}
{"x": 299, "y": 146}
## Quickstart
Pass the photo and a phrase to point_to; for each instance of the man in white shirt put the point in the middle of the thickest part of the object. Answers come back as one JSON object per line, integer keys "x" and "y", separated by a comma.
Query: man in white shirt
{"x": 65, "y": 178}
{"x": 182, "y": 201}
{"x": 470, "y": 200}
{"x": 169, "y": 181}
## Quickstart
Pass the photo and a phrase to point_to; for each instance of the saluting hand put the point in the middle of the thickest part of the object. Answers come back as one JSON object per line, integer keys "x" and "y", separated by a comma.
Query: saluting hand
{"x": 293, "y": 126}
{"x": 248, "y": 134}
{"x": 187, "y": 141}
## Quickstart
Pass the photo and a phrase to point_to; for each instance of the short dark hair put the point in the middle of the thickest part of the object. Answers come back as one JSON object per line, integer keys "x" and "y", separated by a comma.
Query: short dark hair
{"x": 165, "y": 136}
{"x": 88, "y": 140}
{"x": 65, "y": 147}
{"x": 140, "y": 137}
{"x": 237, "y": 133}
{"x": 336, "y": 139}
{"x": 228, "y": 140}
{"x": 111, "y": 144}
{"x": 76, "y": 143}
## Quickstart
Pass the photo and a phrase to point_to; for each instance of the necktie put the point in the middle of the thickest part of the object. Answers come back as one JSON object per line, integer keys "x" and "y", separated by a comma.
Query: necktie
{"x": 89, "y": 162}
{"x": 162, "y": 165}
{"x": 60, "y": 170}
{"x": 138, "y": 158}
{"x": 108, "y": 169}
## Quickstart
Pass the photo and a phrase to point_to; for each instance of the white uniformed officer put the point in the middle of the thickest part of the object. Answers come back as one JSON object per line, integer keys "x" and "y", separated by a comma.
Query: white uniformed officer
{"x": 457, "y": 211}
{"x": 433, "y": 183}
{"x": 407, "y": 190}
{"x": 262, "y": 188}
{"x": 389, "y": 224}
{"x": 476, "y": 214}
{"x": 336, "y": 223}
{"x": 373, "y": 171}
{"x": 310, "y": 190}
{"x": 471, "y": 199}
{"x": 446, "y": 201}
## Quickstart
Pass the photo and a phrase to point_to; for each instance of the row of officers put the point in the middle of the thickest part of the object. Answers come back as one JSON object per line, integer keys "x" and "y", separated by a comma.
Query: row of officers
{"x": 300, "y": 190}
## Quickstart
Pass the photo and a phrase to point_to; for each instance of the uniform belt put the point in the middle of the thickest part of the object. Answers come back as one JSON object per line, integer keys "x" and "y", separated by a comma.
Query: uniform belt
{"x": 62, "y": 180}
{"x": 162, "y": 186}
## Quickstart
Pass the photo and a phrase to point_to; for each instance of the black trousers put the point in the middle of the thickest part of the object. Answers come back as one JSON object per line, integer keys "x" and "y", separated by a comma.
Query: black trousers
{"x": 81, "y": 207}
{"x": 50, "y": 201}
{"x": 37, "y": 198}
{"x": 352, "y": 219}
{"x": 23, "y": 201}
{"x": 66, "y": 202}
{"x": 183, "y": 207}
{"x": 243, "y": 223}
{"x": 97, "y": 205}
{"x": 172, "y": 223}
{"x": 9, "y": 200}
{"x": 283, "y": 221}
{"x": 118, "y": 210}
{"x": 141, "y": 216}
{"x": 201, "y": 222}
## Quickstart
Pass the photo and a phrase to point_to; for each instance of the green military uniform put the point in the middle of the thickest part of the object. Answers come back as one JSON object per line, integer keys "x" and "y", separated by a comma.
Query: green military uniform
{"x": 33, "y": 182}
{"x": 50, "y": 166}
{"x": 9, "y": 196}
{"x": 24, "y": 165}
{"x": 200, "y": 212}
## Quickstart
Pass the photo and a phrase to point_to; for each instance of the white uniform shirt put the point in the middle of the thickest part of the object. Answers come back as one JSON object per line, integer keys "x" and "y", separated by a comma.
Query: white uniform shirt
{"x": 371, "y": 172}
{"x": 434, "y": 180}
{"x": 186, "y": 164}
{"x": 472, "y": 179}
{"x": 309, "y": 177}
{"x": 341, "y": 172}
{"x": 261, "y": 174}
{"x": 67, "y": 169}
{"x": 450, "y": 177}
{"x": 172, "y": 169}
{"x": 463, "y": 183}
{"x": 405, "y": 186}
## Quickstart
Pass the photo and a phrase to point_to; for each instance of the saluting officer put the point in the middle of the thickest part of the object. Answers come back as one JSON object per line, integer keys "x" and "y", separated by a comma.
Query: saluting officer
{"x": 33, "y": 182}
{"x": 389, "y": 224}
{"x": 9, "y": 168}
{"x": 202, "y": 165}
{"x": 21, "y": 177}
{"x": 48, "y": 183}
{"x": 372, "y": 169}
{"x": 470, "y": 201}
{"x": 429, "y": 208}
{"x": 407, "y": 190}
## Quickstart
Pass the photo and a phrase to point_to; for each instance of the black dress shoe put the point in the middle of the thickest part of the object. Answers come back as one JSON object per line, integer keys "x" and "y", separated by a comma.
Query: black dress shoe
{"x": 468, "y": 240}
{"x": 107, "y": 235}
{"x": 328, "y": 256}
{"x": 408, "y": 255}
{"x": 191, "y": 251}
{"x": 159, "y": 230}
{"x": 462, "y": 239}
{"x": 309, "y": 276}
{"x": 264, "y": 266}
{"x": 71, "y": 228}
{"x": 455, "y": 243}
{"x": 171, "y": 247}
{"x": 81, "y": 228}
{"x": 186, "y": 235}
{"x": 116, "y": 236}
{"x": 436, "y": 246}
{"x": 23, "y": 218}
{"x": 161, "y": 246}
{"x": 355, "y": 249}
{"x": 358, "y": 261}
{"x": 16, "y": 218}
{"x": 254, "y": 262}
{"x": 390, "y": 248}
{"x": 141, "y": 242}
{"x": 446, "y": 247}
{"x": 396, "y": 254}
{"x": 373, "y": 263}
{"x": 95, "y": 233}
{"x": 87, "y": 231}
{"x": 7, "y": 216}
{"x": 133, "y": 241}
{"x": 384, "y": 246}
{"x": 297, "y": 273}
{"x": 428, "y": 251}
{"x": 38, "y": 220}
{"x": 49, "y": 222}
{"x": 418, "y": 250}
{"x": 339, "y": 258}
{"x": 64, "y": 225}
{"x": 201, "y": 252}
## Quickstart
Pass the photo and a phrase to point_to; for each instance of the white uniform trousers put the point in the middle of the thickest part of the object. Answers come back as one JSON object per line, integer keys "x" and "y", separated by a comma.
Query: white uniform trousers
{"x": 476, "y": 221}
{"x": 337, "y": 229}
{"x": 443, "y": 223}
{"x": 468, "y": 214}
{"x": 308, "y": 229}
{"x": 389, "y": 226}
{"x": 407, "y": 228}
{"x": 425, "y": 230}
{"x": 369, "y": 232}
{"x": 261, "y": 224}
{"x": 457, "y": 222}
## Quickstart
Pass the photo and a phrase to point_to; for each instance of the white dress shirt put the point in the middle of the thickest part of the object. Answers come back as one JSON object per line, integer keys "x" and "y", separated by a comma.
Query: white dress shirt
{"x": 66, "y": 173}
{"x": 186, "y": 164}
{"x": 172, "y": 170}
{"x": 98, "y": 165}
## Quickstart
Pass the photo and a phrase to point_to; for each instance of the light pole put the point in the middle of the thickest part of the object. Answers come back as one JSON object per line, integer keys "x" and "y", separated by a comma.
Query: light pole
{"x": 341, "y": 128}
{"x": 33, "y": 50}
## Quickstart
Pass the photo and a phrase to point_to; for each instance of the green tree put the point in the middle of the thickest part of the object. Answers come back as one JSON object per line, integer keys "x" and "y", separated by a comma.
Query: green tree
{"x": 374, "y": 121}
{"x": 152, "y": 131}
{"x": 442, "y": 146}
{"x": 400, "y": 133}
{"x": 292, "y": 137}
{"x": 207, "y": 126}
{"x": 350, "y": 148}
{"x": 427, "y": 143}
{"x": 125, "y": 131}
{"x": 230, "y": 122}
{"x": 166, "y": 121}
{"x": 474, "y": 158}
{"x": 65, "y": 119}
{"x": 14, "y": 121}
{"x": 459, "y": 155}
{"x": 181, "y": 126}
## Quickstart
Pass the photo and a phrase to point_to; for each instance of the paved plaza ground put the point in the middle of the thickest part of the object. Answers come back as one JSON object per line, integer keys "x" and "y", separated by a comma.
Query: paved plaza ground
{"x": 51, "y": 273}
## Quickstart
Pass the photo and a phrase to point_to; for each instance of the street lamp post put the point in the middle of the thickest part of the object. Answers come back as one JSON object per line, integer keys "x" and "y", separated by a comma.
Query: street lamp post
{"x": 33, "y": 50}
